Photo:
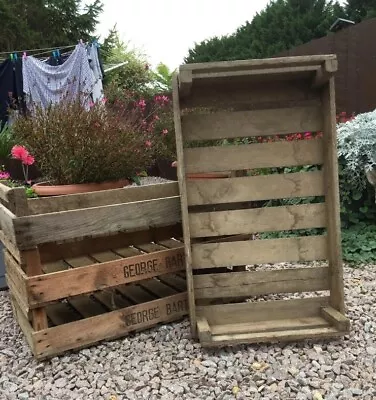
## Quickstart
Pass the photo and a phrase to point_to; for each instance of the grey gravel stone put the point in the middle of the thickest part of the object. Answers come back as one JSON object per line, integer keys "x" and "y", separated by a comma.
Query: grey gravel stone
{"x": 163, "y": 363}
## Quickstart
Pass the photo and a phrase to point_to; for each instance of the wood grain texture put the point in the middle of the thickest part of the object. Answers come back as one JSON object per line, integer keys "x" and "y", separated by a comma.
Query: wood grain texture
{"x": 108, "y": 326}
{"x": 324, "y": 73}
{"x": 248, "y": 252}
{"x": 254, "y": 188}
{"x": 235, "y": 96}
{"x": 335, "y": 318}
{"x": 85, "y": 279}
{"x": 259, "y": 155}
{"x": 257, "y": 75}
{"x": 222, "y": 125}
{"x": 57, "y": 251}
{"x": 34, "y": 267}
{"x": 332, "y": 198}
{"x": 258, "y": 63}
{"x": 19, "y": 278}
{"x": 102, "y": 198}
{"x": 4, "y": 192}
{"x": 263, "y": 310}
{"x": 12, "y": 248}
{"x": 286, "y": 335}
{"x": 259, "y": 283}
{"x": 7, "y": 219}
{"x": 184, "y": 203}
{"x": 270, "y": 326}
{"x": 267, "y": 219}
{"x": 23, "y": 323}
{"x": 45, "y": 228}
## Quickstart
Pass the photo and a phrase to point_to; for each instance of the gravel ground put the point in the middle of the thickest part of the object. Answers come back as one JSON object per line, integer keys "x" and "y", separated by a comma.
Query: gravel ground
{"x": 163, "y": 363}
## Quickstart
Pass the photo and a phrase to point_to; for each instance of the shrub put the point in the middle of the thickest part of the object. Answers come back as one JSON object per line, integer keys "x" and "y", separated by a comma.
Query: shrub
{"x": 357, "y": 147}
{"x": 74, "y": 145}
{"x": 6, "y": 141}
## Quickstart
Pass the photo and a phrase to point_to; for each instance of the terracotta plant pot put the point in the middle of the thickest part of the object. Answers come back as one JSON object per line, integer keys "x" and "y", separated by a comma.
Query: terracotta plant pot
{"x": 209, "y": 175}
{"x": 45, "y": 189}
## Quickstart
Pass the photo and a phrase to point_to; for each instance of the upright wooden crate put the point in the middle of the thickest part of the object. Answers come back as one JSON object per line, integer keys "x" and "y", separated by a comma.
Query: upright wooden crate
{"x": 90, "y": 267}
{"x": 259, "y": 99}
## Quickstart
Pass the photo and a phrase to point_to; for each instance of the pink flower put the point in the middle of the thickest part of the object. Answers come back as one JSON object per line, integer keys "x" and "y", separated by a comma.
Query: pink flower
{"x": 19, "y": 152}
{"x": 156, "y": 117}
{"x": 91, "y": 104}
{"x": 22, "y": 154}
{"x": 148, "y": 143}
{"x": 141, "y": 104}
{"x": 28, "y": 160}
{"x": 165, "y": 132}
{"x": 104, "y": 100}
{"x": 4, "y": 175}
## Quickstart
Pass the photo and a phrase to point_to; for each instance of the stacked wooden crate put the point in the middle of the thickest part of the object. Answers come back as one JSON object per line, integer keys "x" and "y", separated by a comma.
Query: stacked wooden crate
{"x": 245, "y": 102}
{"x": 90, "y": 267}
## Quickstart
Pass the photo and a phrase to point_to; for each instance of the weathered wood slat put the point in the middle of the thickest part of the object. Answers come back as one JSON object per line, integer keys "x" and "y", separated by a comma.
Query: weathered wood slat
{"x": 184, "y": 202}
{"x": 4, "y": 192}
{"x": 336, "y": 319}
{"x": 222, "y": 125}
{"x": 89, "y": 277}
{"x": 277, "y": 62}
{"x": 293, "y": 334}
{"x": 258, "y": 220}
{"x": 248, "y": 252}
{"x": 263, "y": 310}
{"x": 107, "y": 326}
{"x": 265, "y": 95}
{"x": 247, "y": 284}
{"x": 254, "y": 188}
{"x": 102, "y": 198}
{"x": 258, "y": 155}
{"x": 7, "y": 219}
{"x": 44, "y": 228}
{"x": 332, "y": 198}
{"x": 57, "y": 251}
{"x": 61, "y": 313}
{"x": 23, "y": 323}
{"x": 270, "y": 326}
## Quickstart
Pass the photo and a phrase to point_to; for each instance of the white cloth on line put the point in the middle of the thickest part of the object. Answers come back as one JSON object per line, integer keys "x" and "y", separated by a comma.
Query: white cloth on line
{"x": 97, "y": 73}
{"x": 47, "y": 84}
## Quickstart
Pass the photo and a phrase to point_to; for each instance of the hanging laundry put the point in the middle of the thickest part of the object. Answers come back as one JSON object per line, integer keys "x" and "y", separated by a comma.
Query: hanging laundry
{"x": 11, "y": 88}
{"x": 46, "y": 84}
{"x": 95, "y": 66}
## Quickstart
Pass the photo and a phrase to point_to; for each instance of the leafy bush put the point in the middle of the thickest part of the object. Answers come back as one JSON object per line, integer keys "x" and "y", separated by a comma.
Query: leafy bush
{"x": 75, "y": 145}
{"x": 359, "y": 244}
{"x": 6, "y": 141}
{"x": 357, "y": 146}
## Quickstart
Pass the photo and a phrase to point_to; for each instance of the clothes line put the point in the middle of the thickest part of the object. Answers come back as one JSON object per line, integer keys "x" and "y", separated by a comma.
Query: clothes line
{"x": 112, "y": 67}
{"x": 43, "y": 48}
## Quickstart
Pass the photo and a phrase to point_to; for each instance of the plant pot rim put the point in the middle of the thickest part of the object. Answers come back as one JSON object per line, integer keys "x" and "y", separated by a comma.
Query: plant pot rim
{"x": 46, "y": 189}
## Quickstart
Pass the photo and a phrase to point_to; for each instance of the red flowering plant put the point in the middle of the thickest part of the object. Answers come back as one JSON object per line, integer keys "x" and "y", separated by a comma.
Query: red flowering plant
{"x": 156, "y": 114}
{"x": 72, "y": 144}
{"x": 22, "y": 154}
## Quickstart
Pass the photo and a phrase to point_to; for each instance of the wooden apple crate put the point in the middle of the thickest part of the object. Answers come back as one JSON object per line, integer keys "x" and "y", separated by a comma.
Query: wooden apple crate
{"x": 90, "y": 267}
{"x": 259, "y": 98}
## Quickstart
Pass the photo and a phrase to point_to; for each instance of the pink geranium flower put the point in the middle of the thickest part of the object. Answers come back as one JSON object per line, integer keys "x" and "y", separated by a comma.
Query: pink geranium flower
{"x": 148, "y": 143}
{"x": 19, "y": 152}
{"x": 165, "y": 132}
{"x": 28, "y": 160}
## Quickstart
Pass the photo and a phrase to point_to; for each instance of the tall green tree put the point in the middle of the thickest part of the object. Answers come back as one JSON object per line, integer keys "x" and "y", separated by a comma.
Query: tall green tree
{"x": 135, "y": 75}
{"x": 46, "y": 23}
{"x": 357, "y": 10}
{"x": 283, "y": 24}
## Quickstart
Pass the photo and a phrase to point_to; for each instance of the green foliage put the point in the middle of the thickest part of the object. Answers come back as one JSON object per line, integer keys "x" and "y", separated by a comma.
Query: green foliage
{"x": 135, "y": 76}
{"x": 163, "y": 78}
{"x": 46, "y": 23}
{"x": 358, "y": 10}
{"x": 73, "y": 145}
{"x": 283, "y": 24}
{"x": 6, "y": 141}
{"x": 359, "y": 244}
